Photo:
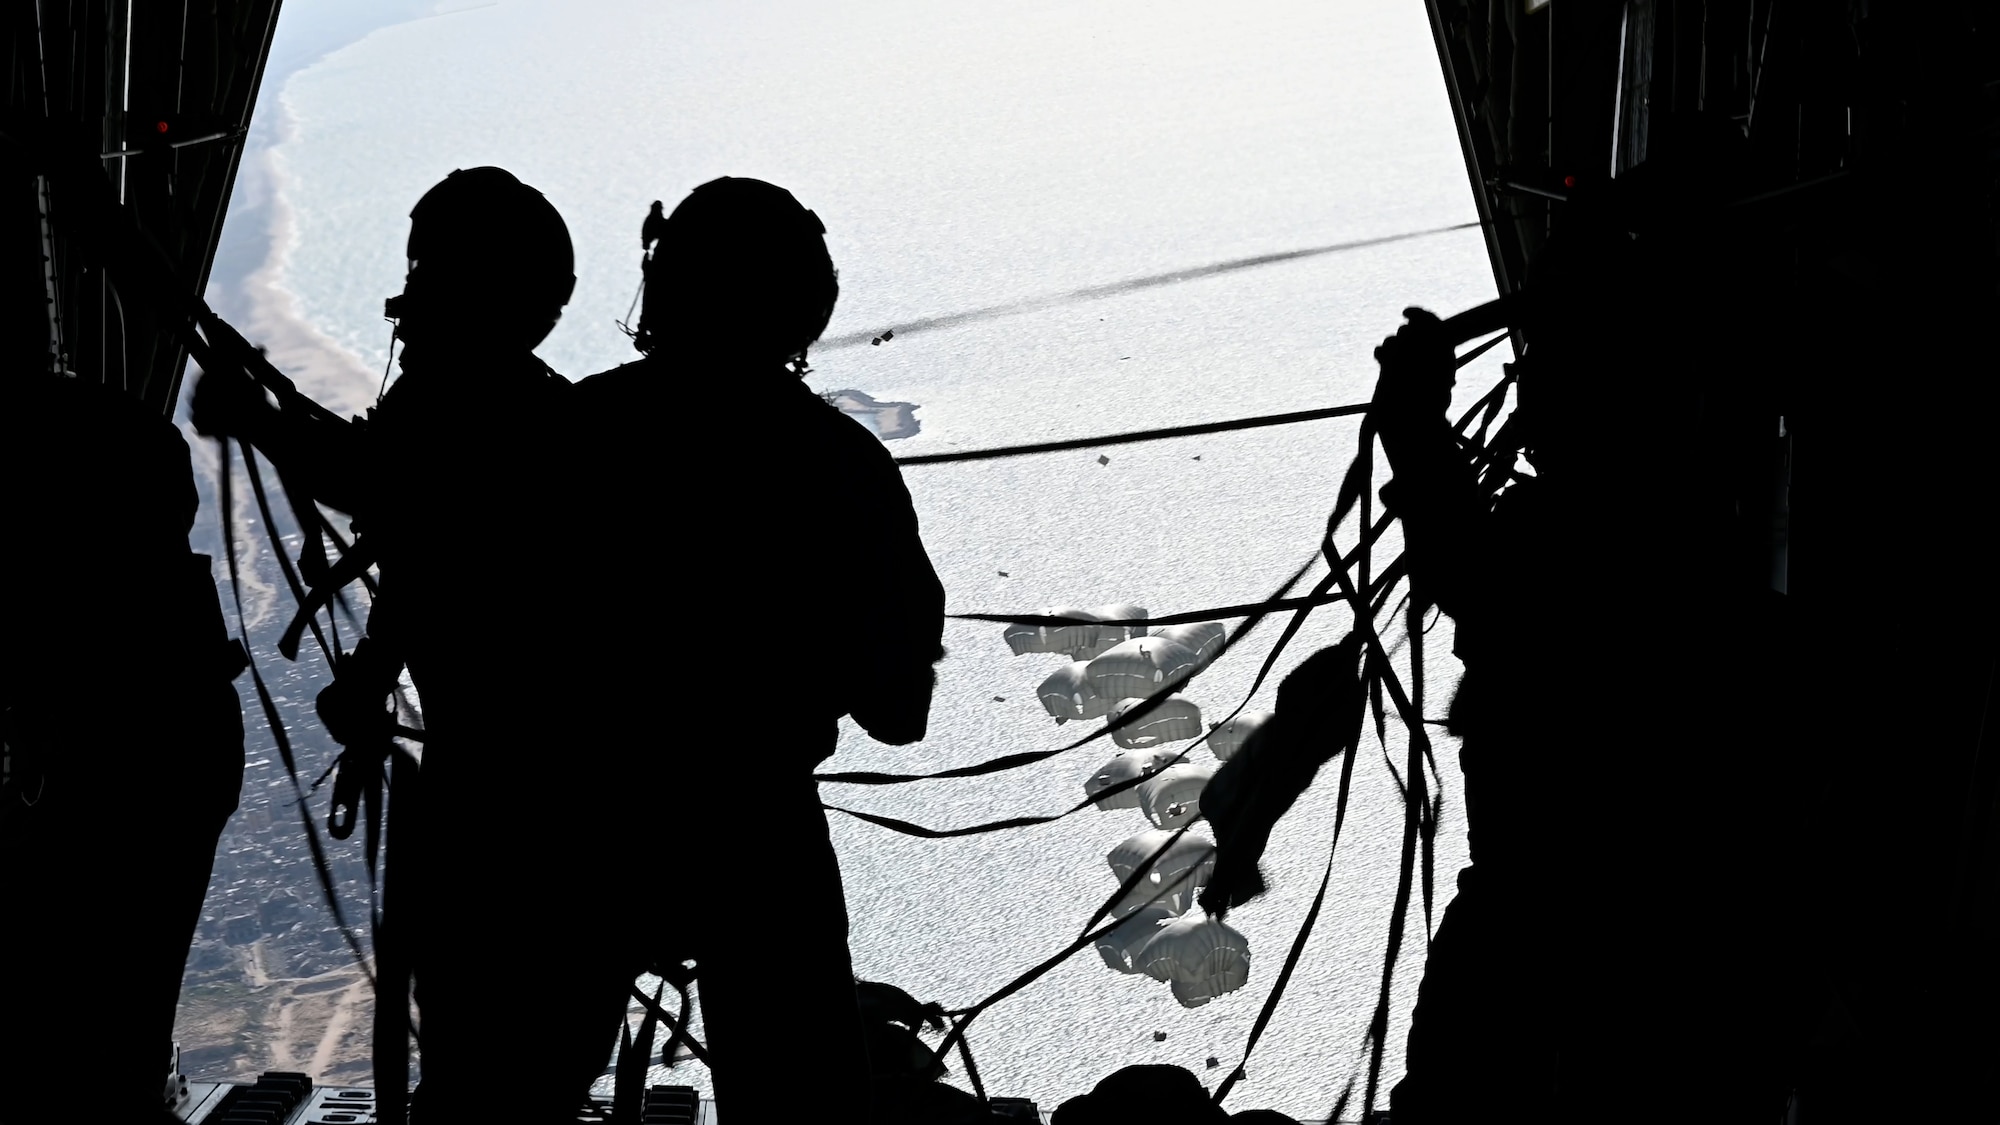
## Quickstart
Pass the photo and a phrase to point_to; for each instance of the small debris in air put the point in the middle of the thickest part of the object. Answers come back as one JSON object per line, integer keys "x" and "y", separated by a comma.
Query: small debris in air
{"x": 1003, "y": 574}
{"x": 999, "y": 699}
{"x": 1159, "y": 1037}
{"x": 1103, "y": 460}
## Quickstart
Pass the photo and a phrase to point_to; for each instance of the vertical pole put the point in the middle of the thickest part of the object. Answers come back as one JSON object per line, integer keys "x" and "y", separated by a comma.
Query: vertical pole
{"x": 391, "y": 1055}
{"x": 1549, "y": 115}
{"x": 57, "y": 363}
{"x": 1618, "y": 91}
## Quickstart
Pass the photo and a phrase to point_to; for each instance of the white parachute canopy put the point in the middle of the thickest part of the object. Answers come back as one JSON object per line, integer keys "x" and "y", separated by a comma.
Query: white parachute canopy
{"x": 1173, "y": 795}
{"x": 1148, "y": 895}
{"x": 1125, "y": 622}
{"x": 1054, "y": 638}
{"x": 1126, "y": 857}
{"x": 1068, "y": 695}
{"x": 1199, "y": 956}
{"x": 1171, "y": 720}
{"x": 1141, "y": 667}
{"x": 1181, "y": 871}
{"x": 1204, "y": 639}
{"x": 1229, "y": 737}
{"x": 1127, "y": 766}
{"x": 1118, "y": 944}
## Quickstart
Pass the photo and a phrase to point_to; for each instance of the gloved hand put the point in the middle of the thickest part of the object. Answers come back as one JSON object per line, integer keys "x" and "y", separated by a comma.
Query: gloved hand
{"x": 355, "y": 715}
{"x": 1418, "y": 372}
{"x": 355, "y": 706}
{"x": 228, "y": 404}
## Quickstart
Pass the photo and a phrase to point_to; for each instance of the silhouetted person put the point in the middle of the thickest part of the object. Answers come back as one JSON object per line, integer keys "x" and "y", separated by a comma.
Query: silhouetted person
{"x": 124, "y": 747}
{"x": 1144, "y": 1092}
{"x": 1613, "y": 948}
{"x": 791, "y": 555}
{"x": 455, "y": 481}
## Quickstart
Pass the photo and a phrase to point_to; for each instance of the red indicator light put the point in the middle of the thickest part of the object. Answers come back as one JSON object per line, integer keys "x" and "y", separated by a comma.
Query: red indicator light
{"x": 159, "y": 126}
{"x": 1569, "y": 181}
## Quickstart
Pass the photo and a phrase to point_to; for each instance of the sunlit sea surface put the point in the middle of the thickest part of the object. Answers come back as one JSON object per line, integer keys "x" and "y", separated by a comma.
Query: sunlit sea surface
{"x": 962, "y": 156}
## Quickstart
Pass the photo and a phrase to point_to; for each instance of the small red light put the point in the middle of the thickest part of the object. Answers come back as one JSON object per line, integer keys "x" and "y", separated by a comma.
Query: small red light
{"x": 159, "y": 126}
{"x": 1569, "y": 181}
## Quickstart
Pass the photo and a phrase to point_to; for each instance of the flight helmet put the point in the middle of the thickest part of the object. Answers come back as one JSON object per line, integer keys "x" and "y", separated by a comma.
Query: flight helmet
{"x": 740, "y": 269}
{"x": 487, "y": 254}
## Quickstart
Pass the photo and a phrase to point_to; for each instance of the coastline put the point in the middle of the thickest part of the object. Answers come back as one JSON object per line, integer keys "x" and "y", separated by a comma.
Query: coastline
{"x": 324, "y": 370}
{"x": 240, "y": 1020}
{"x": 246, "y": 285}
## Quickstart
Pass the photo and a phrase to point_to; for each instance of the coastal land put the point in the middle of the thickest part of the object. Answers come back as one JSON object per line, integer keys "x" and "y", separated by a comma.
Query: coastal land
{"x": 886, "y": 420}
{"x": 270, "y": 985}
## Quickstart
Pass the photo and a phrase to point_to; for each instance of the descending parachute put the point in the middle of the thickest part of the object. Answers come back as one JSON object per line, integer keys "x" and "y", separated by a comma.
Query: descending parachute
{"x": 1171, "y": 720}
{"x": 1229, "y": 737}
{"x": 1146, "y": 895}
{"x": 1068, "y": 695}
{"x": 1172, "y": 796}
{"x": 1126, "y": 766}
{"x": 1189, "y": 852}
{"x": 1084, "y": 640}
{"x": 1126, "y": 857}
{"x": 1123, "y": 621}
{"x": 1204, "y": 639}
{"x": 1123, "y": 617}
{"x": 1054, "y": 638}
{"x": 1141, "y": 667}
{"x": 1115, "y": 665}
{"x": 1181, "y": 871}
{"x": 1199, "y": 957}
{"x": 1118, "y": 944}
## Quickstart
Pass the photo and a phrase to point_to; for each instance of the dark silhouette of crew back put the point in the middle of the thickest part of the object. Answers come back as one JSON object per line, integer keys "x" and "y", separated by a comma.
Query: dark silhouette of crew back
{"x": 783, "y": 545}
{"x": 124, "y": 743}
{"x": 455, "y": 482}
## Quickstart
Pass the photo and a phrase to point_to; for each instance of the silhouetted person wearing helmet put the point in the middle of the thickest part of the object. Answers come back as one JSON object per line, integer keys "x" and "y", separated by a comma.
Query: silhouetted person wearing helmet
{"x": 1613, "y": 948}
{"x": 807, "y": 531}
{"x": 453, "y": 481}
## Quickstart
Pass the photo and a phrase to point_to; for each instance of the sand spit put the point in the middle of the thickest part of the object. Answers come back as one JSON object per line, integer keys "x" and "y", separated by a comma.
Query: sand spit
{"x": 886, "y": 420}
{"x": 321, "y": 368}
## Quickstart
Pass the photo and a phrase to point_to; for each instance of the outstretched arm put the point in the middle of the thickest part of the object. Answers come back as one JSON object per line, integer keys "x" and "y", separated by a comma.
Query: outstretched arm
{"x": 1434, "y": 491}
{"x": 892, "y": 702}
{"x": 323, "y": 452}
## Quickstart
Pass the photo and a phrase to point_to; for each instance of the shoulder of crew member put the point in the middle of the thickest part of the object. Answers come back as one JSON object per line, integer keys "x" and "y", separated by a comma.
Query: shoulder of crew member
{"x": 639, "y": 383}
{"x": 840, "y": 432}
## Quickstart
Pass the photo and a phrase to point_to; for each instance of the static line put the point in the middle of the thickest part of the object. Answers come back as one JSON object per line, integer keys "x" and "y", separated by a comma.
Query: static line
{"x": 1094, "y": 292}
{"x": 1135, "y": 436}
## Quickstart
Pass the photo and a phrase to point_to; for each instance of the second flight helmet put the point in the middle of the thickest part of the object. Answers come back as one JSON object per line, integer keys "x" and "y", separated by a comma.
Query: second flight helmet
{"x": 740, "y": 270}
{"x": 487, "y": 254}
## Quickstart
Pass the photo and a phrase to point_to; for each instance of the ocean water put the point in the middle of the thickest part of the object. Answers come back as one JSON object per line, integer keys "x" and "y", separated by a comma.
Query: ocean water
{"x": 967, "y": 156}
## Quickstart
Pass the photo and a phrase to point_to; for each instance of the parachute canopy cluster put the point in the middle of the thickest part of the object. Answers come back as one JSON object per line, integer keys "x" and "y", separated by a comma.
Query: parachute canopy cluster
{"x": 1115, "y": 665}
{"x": 1197, "y": 956}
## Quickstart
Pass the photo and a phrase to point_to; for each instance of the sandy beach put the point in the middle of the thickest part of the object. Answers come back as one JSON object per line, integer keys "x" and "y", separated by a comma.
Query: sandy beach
{"x": 260, "y": 305}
